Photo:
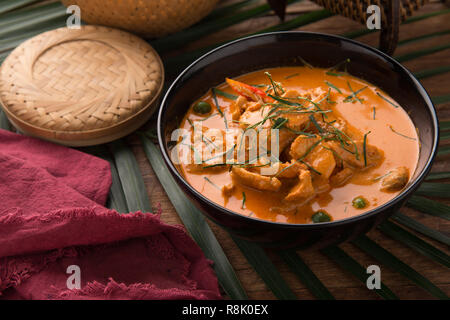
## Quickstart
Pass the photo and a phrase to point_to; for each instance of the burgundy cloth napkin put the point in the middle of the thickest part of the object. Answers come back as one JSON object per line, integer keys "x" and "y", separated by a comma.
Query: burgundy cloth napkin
{"x": 52, "y": 217}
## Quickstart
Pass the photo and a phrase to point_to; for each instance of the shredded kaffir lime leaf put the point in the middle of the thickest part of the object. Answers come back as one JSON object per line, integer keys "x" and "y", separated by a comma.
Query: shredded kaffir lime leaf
{"x": 333, "y": 86}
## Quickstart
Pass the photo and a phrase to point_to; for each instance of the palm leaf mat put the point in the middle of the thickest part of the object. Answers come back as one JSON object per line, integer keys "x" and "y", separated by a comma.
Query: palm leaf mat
{"x": 285, "y": 273}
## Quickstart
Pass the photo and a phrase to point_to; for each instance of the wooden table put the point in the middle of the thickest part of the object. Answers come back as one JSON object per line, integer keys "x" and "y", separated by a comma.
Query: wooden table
{"x": 341, "y": 284}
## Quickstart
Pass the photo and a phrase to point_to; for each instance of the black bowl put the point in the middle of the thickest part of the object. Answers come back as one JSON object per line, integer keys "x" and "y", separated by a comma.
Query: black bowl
{"x": 283, "y": 49}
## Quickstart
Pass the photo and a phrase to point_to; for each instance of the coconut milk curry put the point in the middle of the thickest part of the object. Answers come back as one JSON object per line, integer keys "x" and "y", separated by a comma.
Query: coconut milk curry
{"x": 345, "y": 146}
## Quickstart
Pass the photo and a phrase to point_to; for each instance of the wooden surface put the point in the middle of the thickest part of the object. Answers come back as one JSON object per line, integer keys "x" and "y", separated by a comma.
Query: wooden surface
{"x": 341, "y": 284}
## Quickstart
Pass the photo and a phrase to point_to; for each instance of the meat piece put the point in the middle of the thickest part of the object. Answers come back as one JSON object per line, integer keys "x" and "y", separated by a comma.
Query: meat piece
{"x": 318, "y": 95}
{"x": 395, "y": 180}
{"x": 303, "y": 189}
{"x": 207, "y": 148}
{"x": 253, "y": 106}
{"x": 314, "y": 128}
{"x": 249, "y": 118}
{"x": 285, "y": 169}
{"x": 340, "y": 178}
{"x": 285, "y": 137}
{"x": 299, "y": 121}
{"x": 315, "y": 95}
{"x": 237, "y": 107}
{"x": 322, "y": 160}
{"x": 213, "y": 163}
{"x": 296, "y": 121}
{"x": 259, "y": 164}
{"x": 340, "y": 125}
{"x": 227, "y": 190}
{"x": 290, "y": 93}
{"x": 374, "y": 156}
{"x": 196, "y": 151}
{"x": 255, "y": 180}
{"x": 301, "y": 145}
{"x": 290, "y": 170}
{"x": 321, "y": 185}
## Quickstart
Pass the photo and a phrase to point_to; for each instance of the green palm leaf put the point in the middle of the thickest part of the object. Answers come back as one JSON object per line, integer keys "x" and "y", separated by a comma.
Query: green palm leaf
{"x": 259, "y": 260}
{"x": 429, "y": 206}
{"x": 177, "y": 62}
{"x": 195, "y": 223}
{"x": 299, "y": 21}
{"x": 18, "y": 26}
{"x": 181, "y": 38}
{"x": 4, "y": 123}
{"x": 362, "y": 32}
{"x": 444, "y": 125}
{"x": 228, "y": 10}
{"x": 347, "y": 263}
{"x": 426, "y": 16}
{"x": 130, "y": 176}
{"x": 431, "y": 72}
{"x": 9, "y": 5}
{"x": 441, "y": 99}
{"x": 39, "y": 22}
{"x": 443, "y": 151}
{"x": 305, "y": 274}
{"x": 116, "y": 199}
{"x": 431, "y": 189}
{"x": 45, "y": 11}
{"x": 417, "y": 226}
{"x": 3, "y": 56}
{"x": 389, "y": 260}
{"x": 414, "y": 242}
{"x": 438, "y": 176}
{"x": 444, "y": 135}
{"x": 423, "y": 37}
{"x": 8, "y": 44}
{"x": 420, "y": 53}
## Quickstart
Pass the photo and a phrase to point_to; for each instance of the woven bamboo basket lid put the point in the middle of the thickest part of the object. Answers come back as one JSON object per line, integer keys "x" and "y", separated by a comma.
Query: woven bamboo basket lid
{"x": 153, "y": 18}
{"x": 81, "y": 87}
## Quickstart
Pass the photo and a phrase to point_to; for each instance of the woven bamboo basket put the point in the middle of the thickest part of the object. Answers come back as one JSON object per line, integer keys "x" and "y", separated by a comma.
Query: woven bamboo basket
{"x": 393, "y": 12}
{"x": 81, "y": 87}
{"x": 153, "y": 18}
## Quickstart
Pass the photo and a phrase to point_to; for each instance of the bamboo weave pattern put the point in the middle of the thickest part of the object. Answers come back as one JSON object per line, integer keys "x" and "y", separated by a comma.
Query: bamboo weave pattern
{"x": 153, "y": 18}
{"x": 79, "y": 80}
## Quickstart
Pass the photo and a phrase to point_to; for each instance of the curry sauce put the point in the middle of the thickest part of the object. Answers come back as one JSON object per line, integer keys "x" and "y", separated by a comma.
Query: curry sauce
{"x": 346, "y": 146}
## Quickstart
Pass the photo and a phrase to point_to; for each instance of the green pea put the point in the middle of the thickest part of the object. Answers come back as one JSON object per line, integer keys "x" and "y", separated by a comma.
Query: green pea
{"x": 359, "y": 202}
{"x": 320, "y": 216}
{"x": 202, "y": 107}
